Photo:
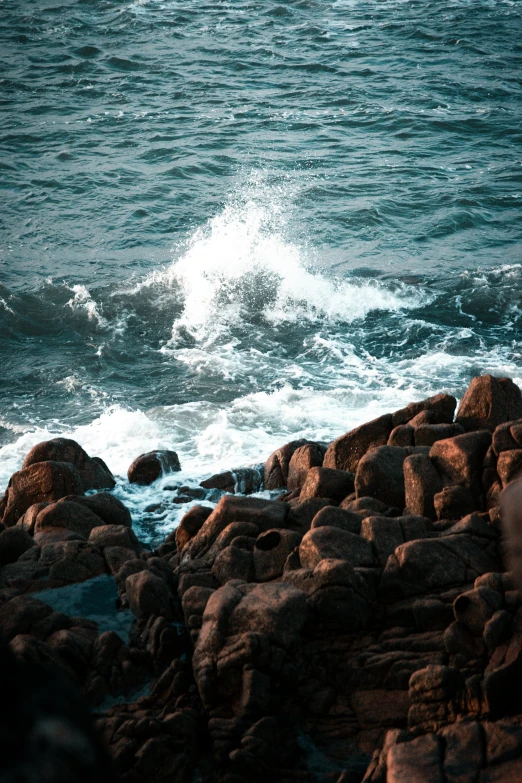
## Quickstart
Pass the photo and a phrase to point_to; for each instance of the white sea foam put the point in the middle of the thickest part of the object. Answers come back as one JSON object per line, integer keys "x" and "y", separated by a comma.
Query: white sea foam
{"x": 83, "y": 301}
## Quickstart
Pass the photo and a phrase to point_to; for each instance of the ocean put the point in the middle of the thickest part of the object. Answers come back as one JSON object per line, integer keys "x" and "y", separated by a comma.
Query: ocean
{"x": 230, "y": 224}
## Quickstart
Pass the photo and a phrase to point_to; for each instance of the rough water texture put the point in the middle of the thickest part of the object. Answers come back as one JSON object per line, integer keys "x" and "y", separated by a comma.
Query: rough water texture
{"x": 226, "y": 225}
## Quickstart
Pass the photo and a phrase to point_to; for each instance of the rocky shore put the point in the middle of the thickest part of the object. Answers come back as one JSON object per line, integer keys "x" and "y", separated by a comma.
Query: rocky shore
{"x": 365, "y": 624}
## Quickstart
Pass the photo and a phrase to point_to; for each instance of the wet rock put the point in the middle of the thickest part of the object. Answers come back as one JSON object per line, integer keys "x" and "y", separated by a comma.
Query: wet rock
{"x": 421, "y": 484}
{"x": 345, "y": 452}
{"x": 69, "y": 515}
{"x": 327, "y": 483}
{"x": 14, "y": 542}
{"x": 93, "y": 472}
{"x": 380, "y": 475}
{"x": 40, "y": 482}
{"x": 488, "y": 402}
{"x": 277, "y": 465}
{"x": 310, "y": 455}
{"x": 460, "y": 458}
{"x": 338, "y": 517}
{"x": 271, "y": 550}
{"x": 244, "y": 481}
{"x": 148, "y": 595}
{"x": 334, "y": 543}
{"x": 148, "y": 467}
{"x": 440, "y": 406}
{"x": 509, "y": 465}
{"x": 191, "y": 523}
{"x": 453, "y": 502}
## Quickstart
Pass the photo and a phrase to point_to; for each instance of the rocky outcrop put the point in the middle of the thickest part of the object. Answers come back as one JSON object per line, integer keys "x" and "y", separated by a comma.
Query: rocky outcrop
{"x": 147, "y": 468}
{"x": 365, "y": 625}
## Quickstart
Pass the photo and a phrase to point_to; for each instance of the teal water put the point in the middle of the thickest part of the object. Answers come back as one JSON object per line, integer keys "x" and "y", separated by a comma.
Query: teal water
{"x": 227, "y": 224}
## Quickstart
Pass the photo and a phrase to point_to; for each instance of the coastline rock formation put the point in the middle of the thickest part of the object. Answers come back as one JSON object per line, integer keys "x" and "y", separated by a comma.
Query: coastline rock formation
{"x": 364, "y": 624}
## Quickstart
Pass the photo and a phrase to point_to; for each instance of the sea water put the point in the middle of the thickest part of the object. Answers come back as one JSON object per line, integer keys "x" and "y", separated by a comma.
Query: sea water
{"x": 229, "y": 224}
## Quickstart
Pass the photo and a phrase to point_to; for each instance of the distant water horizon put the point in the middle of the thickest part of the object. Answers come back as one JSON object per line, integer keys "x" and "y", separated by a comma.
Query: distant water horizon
{"x": 228, "y": 225}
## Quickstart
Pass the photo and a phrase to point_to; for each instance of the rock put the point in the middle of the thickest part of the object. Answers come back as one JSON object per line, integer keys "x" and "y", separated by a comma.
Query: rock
{"x": 460, "y": 458}
{"x": 475, "y": 607}
{"x": 28, "y": 520}
{"x": 265, "y": 514}
{"x": 191, "y": 523}
{"x": 403, "y": 435}
{"x": 270, "y": 552}
{"x": 71, "y": 516}
{"x": 380, "y": 707}
{"x": 334, "y": 543}
{"x": 367, "y": 507}
{"x": 385, "y": 535}
{"x": 233, "y": 563}
{"x": 21, "y": 614}
{"x": 114, "y": 536}
{"x": 453, "y": 502}
{"x": 327, "y": 483}
{"x": 338, "y": 517}
{"x": 380, "y": 475}
{"x": 39, "y": 483}
{"x": 277, "y": 610}
{"x": 106, "y": 506}
{"x": 503, "y": 675}
{"x": 421, "y": 483}
{"x": 148, "y": 595}
{"x": 441, "y": 406}
{"x": 345, "y": 452}
{"x": 509, "y": 465}
{"x": 93, "y": 472}
{"x": 277, "y": 465}
{"x": 301, "y": 515}
{"x": 488, "y": 402}
{"x": 463, "y": 751}
{"x": 148, "y": 467}
{"x": 428, "y": 434}
{"x": 497, "y": 629}
{"x": 305, "y": 457}
{"x": 14, "y": 542}
{"x": 503, "y": 440}
{"x": 243, "y": 481}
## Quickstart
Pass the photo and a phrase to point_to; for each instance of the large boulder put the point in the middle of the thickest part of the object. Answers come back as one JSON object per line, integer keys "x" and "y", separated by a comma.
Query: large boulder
{"x": 148, "y": 595}
{"x": 277, "y": 465}
{"x": 93, "y": 471}
{"x": 460, "y": 459}
{"x": 271, "y": 550}
{"x": 380, "y": 475}
{"x": 327, "y": 483}
{"x": 148, "y": 467}
{"x": 421, "y": 483}
{"x": 488, "y": 402}
{"x": 322, "y": 543}
{"x": 39, "y": 483}
{"x": 69, "y": 515}
{"x": 440, "y": 407}
{"x": 106, "y": 506}
{"x": 310, "y": 455}
{"x": 345, "y": 452}
{"x": 190, "y": 524}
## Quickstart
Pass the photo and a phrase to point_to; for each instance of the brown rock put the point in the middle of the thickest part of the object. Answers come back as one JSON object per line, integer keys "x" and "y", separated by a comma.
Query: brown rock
{"x": 503, "y": 439}
{"x": 191, "y": 523}
{"x": 327, "y": 483}
{"x": 334, "y": 543}
{"x": 38, "y": 483}
{"x": 475, "y": 607}
{"x": 270, "y": 552}
{"x": 14, "y": 542}
{"x": 233, "y": 563}
{"x": 20, "y": 614}
{"x": 114, "y": 536}
{"x": 345, "y": 452}
{"x": 403, "y": 435}
{"x": 488, "y": 402}
{"x": 380, "y": 475}
{"x": 338, "y": 517}
{"x": 509, "y": 465}
{"x": 421, "y": 484}
{"x": 428, "y": 434}
{"x": 367, "y": 507}
{"x": 72, "y": 516}
{"x": 148, "y": 595}
{"x": 28, "y": 520}
{"x": 381, "y": 708}
{"x": 148, "y": 467}
{"x": 305, "y": 457}
{"x": 460, "y": 458}
{"x": 453, "y": 502}
{"x": 106, "y": 506}
{"x": 511, "y": 514}
{"x": 277, "y": 610}
{"x": 277, "y": 465}
{"x": 385, "y": 535}
{"x": 441, "y": 406}
{"x": 93, "y": 472}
